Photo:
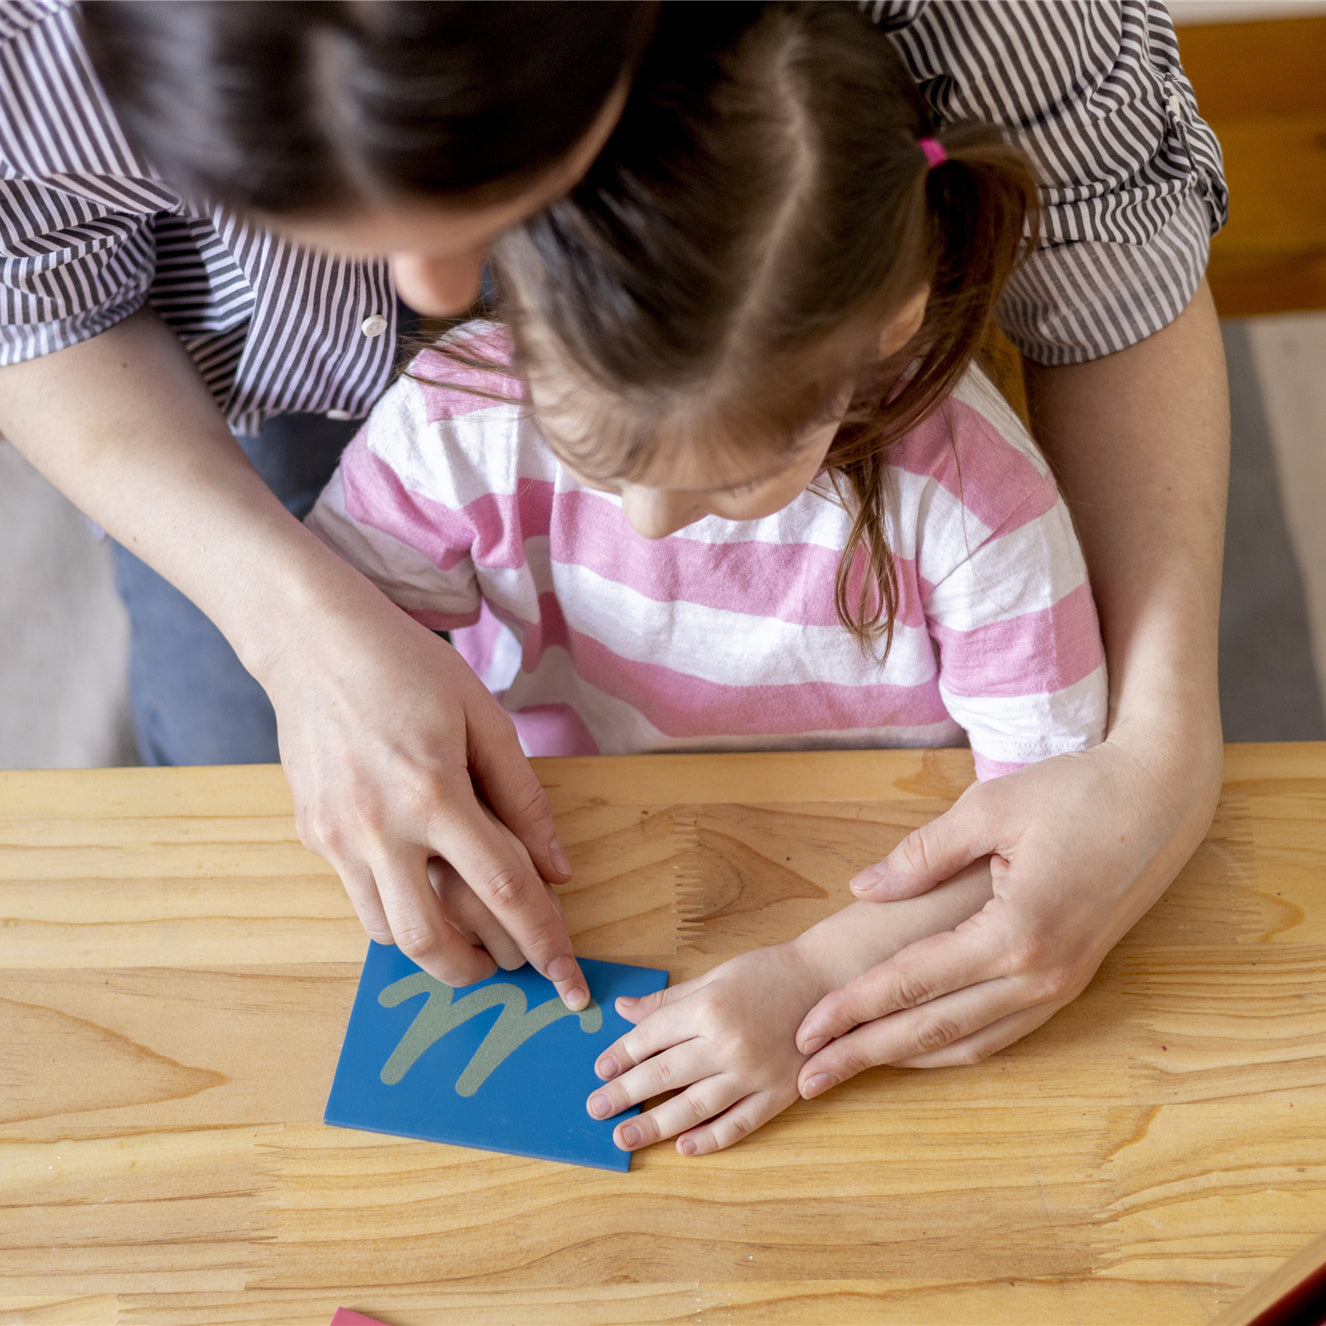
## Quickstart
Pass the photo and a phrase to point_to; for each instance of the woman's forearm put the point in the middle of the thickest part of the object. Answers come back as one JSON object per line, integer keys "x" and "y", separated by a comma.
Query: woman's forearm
{"x": 391, "y": 744}
{"x": 124, "y": 426}
{"x": 1140, "y": 443}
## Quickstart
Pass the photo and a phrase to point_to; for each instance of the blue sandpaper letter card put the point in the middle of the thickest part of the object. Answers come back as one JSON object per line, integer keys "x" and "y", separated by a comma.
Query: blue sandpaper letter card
{"x": 502, "y": 1064}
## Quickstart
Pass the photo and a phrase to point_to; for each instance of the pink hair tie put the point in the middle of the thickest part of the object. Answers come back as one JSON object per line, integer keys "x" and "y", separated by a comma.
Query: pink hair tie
{"x": 934, "y": 151}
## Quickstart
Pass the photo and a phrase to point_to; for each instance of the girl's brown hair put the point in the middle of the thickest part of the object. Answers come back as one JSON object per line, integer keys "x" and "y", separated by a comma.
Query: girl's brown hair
{"x": 762, "y": 211}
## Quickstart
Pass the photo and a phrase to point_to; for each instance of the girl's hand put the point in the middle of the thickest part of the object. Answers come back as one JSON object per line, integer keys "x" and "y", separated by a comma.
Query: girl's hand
{"x": 725, "y": 1043}
{"x": 395, "y": 752}
{"x": 1080, "y": 847}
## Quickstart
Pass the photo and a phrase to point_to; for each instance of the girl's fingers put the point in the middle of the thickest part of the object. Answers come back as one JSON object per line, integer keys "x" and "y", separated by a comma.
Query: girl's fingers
{"x": 671, "y": 1069}
{"x": 650, "y": 1037}
{"x": 741, "y": 1120}
{"x": 681, "y": 1112}
{"x": 636, "y": 1008}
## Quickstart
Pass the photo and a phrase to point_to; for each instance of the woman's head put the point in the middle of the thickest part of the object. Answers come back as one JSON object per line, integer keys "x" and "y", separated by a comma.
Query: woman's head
{"x": 329, "y": 119}
{"x": 762, "y": 233}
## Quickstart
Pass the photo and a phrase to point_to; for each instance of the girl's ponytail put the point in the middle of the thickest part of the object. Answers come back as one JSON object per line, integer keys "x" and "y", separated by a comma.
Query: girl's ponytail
{"x": 975, "y": 198}
{"x": 973, "y": 213}
{"x": 983, "y": 206}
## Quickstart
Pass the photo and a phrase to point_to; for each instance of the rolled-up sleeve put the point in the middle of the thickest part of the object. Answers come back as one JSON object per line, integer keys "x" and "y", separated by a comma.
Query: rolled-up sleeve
{"x": 63, "y": 284}
{"x": 77, "y": 250}
{"x": 1132, "y": 184}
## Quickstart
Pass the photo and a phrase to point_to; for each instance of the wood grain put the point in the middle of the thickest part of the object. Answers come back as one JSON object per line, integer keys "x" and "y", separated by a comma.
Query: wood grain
{"x": 177, "y": 973}
{"x": 1262, "y": 88}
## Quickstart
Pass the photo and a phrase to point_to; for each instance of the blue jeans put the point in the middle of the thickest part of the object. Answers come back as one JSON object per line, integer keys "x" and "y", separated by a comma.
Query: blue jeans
{"x": 193, "y": 702}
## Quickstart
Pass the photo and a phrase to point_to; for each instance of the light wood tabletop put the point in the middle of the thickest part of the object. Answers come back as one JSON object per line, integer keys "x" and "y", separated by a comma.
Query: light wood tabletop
{"x": 176, "y": 973}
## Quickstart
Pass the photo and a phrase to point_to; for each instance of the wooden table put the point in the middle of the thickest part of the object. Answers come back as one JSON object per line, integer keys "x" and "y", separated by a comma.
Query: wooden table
{"x": 177, "y": 972}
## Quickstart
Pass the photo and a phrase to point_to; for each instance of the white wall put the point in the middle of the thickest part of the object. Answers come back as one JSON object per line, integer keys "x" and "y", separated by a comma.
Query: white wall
{"x": 1241, "y": 11}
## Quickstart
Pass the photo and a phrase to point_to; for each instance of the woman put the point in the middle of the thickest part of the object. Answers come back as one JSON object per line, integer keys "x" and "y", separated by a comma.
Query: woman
{"x": 1125, "y": 378}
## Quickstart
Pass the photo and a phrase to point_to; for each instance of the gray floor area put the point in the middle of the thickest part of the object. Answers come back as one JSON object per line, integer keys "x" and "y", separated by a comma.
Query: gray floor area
{"x": 63, "y": 634}
{"x": 1269, "y": 688}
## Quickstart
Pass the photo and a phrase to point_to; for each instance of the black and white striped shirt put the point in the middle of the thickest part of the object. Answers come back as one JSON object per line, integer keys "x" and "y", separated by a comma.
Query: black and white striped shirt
{"x": 1093, "y": 89}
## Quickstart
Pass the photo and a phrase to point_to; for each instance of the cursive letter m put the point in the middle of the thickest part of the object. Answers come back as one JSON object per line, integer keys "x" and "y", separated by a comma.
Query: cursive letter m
{"x": 442, "y": 1012}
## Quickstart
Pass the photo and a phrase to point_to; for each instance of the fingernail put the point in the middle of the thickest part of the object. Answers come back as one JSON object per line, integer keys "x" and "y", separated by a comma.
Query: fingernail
{"x": 867, "y": 879}
{"x": 607, "y": 1067}
{"x": 630, "y": 1136}
{"x": 559, "y": 857}
{"x": 575, "y": 999}
{"x": 817, "y": 1085}
{"x": 814, "y": 1045}
{"x": 686, "y": 1147}
{"x": 600, "y": 1106}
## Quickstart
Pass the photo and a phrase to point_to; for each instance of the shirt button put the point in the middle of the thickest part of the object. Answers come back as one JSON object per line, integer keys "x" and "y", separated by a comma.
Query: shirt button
{"x": 340, "y": 416}
{"x": 1175, "y": 104}
{"x": 374, "y": 325}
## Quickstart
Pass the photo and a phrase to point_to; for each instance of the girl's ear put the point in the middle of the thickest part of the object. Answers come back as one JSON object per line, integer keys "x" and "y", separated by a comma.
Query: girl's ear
{"x": 905, "y": 324}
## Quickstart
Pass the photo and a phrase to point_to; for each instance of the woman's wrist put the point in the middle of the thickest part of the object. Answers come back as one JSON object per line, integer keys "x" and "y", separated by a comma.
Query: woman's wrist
{"x": 296, "y": 583}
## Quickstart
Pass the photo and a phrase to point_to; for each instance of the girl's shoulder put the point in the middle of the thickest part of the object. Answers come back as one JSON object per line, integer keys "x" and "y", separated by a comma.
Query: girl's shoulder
{"x": 468, "y": 370}
{"x": 976, "y": 448}
{"x": 457, "y": 419}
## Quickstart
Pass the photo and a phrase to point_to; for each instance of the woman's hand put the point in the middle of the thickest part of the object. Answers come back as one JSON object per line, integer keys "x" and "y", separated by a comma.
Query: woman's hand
{"x": 468, "y": 914}
{"x": 1079, "y": 847}
{"x": 403, "y": 767}
{"x": 391, "y": 743}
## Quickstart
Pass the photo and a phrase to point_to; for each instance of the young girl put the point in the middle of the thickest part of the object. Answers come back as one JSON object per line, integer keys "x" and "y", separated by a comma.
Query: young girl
{"x": 725, "y": 476}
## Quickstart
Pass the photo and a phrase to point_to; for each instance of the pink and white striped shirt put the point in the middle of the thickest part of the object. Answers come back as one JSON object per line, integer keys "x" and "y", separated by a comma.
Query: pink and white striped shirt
{"x": 723, "y": 636}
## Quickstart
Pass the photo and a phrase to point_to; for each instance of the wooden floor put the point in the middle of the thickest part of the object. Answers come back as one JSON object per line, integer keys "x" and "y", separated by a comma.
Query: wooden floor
{"x": 1262, "y": 88}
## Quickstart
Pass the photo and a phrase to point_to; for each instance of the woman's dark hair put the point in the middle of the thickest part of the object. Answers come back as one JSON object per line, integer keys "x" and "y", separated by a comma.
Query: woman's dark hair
{"x": 290, "y": 108}
{"x": 762, "y": 211}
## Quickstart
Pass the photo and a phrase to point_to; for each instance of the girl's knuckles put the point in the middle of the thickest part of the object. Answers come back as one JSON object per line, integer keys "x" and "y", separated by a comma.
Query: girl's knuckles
{"x": 735, "y": 1127}
{"x": 662, "y": 1076}
{"x": 693, "y": 1110}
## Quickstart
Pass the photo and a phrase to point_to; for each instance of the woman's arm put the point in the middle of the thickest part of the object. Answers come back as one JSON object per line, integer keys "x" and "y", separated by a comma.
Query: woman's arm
{"x": 1082, "y": 845}
{"x": 385, "y": 732}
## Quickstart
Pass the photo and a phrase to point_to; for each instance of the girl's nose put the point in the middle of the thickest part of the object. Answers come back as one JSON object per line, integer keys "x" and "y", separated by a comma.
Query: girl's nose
{"x": 438, "y": 287}
{"x": 657, "y": 512}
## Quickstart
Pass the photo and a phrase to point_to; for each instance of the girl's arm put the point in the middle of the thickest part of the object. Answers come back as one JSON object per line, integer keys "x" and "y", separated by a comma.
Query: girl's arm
{"x": 1081, "y": 845}
{"x": 726, "y": 1042}
{"x": 382, "y": 726}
